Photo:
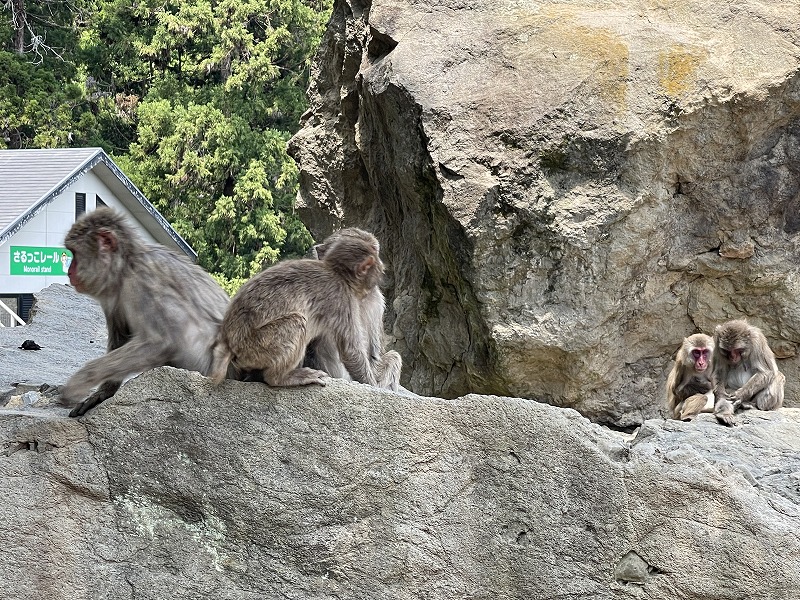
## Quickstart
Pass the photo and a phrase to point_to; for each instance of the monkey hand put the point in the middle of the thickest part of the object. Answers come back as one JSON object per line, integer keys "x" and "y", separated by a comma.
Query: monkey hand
{"x": 84, "y": 406}
{"x": 740, "y": 400}
{"x": 726, "y": 418}
{"x": 104, "y": 392}
{"x": 723, "y": 411}
{"x": 81, "y": 383}
{"x": 743, "y": 405}
{"x": 720, "y": 393}
{"x": 73, "y": 392}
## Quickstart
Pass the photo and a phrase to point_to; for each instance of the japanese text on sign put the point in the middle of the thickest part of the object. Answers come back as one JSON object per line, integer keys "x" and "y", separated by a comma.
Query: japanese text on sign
{"x": 35, "y": 260}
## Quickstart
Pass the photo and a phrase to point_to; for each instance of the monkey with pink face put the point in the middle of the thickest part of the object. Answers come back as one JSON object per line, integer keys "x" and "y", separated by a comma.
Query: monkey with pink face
{"x": 689, "y": 387}
{"x": 745, "y": 373}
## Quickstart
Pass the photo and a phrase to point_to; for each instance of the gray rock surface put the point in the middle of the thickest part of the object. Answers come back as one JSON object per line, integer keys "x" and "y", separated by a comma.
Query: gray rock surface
{"x": 176, "y": 489}
{"x": 71, "y": 330}
{"x": 564, "y": 190}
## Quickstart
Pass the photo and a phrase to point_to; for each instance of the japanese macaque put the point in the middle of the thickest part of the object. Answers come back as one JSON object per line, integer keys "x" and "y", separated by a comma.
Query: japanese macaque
{"x": 160, "y": 308}
{"x": 322, "y": 353}
{"x": 745, "y": 373}
{"x": 689, "y": 387}
{"x": 279, "y": 312}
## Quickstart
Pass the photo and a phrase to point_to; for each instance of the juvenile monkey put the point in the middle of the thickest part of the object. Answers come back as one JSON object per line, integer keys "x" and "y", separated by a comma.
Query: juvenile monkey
{"x": 160, "y": 308}
{"x": 689, "y": 387}
{"x": 745, "y": 373}
{"x": 322, "y": 353}
{"x": 277, "y": 313}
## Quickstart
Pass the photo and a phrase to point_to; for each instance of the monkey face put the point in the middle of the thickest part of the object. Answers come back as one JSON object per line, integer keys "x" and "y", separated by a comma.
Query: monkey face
{"x": 701, "y": 358}
{"x": 734, "y": 350}
{"x": 696, "y": 351}
{"x": 733, "y": 356}
{"x": 734, "y": 341}
{"x": 72, "y": 273}
{"x": 97, "y": 254}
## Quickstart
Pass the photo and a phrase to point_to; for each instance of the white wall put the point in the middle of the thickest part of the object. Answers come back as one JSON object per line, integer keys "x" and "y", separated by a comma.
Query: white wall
{"x": 48, "y": 229}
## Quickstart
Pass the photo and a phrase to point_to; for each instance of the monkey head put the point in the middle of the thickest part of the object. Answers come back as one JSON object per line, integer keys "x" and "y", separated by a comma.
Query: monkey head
{"x": 734, "y": 341}
{"x": 319, "y": 250}
{"x": 356, "y": 258}
{"x": 698, "y": 349}
{"x": 98, "y": 257}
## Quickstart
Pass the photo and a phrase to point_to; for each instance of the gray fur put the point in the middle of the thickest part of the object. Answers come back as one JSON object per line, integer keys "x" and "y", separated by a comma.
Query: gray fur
{"x": 322, "y": 354}
{"x": 160, "y": 308}
{"x": 279, "y": 312}
{"x": 745, "y": 372}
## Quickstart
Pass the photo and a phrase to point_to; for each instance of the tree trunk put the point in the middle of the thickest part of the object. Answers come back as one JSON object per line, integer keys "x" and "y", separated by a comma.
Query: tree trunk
{"x": 19, "y": 18}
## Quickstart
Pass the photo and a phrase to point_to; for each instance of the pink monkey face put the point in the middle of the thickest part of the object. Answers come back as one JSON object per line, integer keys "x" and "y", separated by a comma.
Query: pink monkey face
{"x": 701, "y": 357}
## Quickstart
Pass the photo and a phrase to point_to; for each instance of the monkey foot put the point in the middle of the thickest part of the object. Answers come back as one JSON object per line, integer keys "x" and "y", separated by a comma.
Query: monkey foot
{"x": 301, "y": 376}
{"x": 726, "y": 419}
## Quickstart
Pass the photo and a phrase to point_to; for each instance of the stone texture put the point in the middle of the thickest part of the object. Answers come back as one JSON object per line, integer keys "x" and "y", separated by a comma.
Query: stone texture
{"x": 174, "y": 489}
{"x": 563, "y": 190}
{"x": 71, "y": 330}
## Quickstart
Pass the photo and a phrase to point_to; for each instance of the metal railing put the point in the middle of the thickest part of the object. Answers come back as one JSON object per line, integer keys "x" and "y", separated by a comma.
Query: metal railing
{"x": 14, "y": 315}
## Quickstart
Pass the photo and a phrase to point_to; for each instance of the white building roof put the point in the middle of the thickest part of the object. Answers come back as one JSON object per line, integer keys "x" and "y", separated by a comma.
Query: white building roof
{"x": 31, "y": 179}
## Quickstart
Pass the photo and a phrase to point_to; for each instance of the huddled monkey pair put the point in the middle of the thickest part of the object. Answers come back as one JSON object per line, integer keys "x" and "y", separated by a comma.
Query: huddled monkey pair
{"x": 295, "y": 323}
{"x": 736, "y": 369}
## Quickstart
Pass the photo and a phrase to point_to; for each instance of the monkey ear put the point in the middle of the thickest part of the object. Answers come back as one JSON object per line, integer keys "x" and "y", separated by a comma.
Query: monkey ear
{"x": 365, "y": 266}
{"x": 319, "y": 251}
{"x": 106, "y": 241}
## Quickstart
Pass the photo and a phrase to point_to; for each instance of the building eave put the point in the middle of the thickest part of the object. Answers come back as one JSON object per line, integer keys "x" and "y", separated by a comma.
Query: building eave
{"x": 100, "y": 157}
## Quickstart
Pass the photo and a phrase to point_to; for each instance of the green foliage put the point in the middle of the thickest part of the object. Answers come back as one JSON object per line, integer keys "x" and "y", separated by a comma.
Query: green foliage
{"x": 195, "y": 100}
{"x": 231, "y": 286}
{"x": 41, "y": 103}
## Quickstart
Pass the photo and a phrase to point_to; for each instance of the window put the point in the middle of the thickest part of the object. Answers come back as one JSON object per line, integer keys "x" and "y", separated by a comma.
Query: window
{"x": 80, "y": 204}
{"x": 99, "y": 201}
{"x": 21, "y": 304}
{"x": 11, "y": 302}
{"x": 25, "y": 306}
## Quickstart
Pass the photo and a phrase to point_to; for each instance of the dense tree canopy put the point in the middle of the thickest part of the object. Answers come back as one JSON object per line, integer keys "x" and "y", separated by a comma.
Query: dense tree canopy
{"x": 194, "y": 99}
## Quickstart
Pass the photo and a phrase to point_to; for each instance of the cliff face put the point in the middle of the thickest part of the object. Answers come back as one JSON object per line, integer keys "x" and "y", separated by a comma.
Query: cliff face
{"x": 563, "y": 191}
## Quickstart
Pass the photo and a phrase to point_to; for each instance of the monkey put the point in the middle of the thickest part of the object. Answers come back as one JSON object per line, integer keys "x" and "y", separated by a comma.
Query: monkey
{"x": 321, "y": 352}
{"x": 744, "y": 373}
{"x": 689, "y": 387}
{"x": 276, "y": 314}
{"x": 160, "y": 308}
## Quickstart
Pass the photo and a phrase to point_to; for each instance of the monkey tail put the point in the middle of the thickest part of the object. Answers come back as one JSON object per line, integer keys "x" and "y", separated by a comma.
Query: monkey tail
{"x": 221, "y": 358}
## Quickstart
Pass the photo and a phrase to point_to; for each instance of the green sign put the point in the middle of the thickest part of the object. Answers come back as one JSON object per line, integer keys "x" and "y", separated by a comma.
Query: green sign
{"x": 35, "y": 260}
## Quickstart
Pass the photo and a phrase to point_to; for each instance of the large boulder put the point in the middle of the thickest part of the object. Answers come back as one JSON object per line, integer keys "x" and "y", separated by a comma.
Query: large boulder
{"x": 563, "y": 191}
{"x": 176, "y": 489}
